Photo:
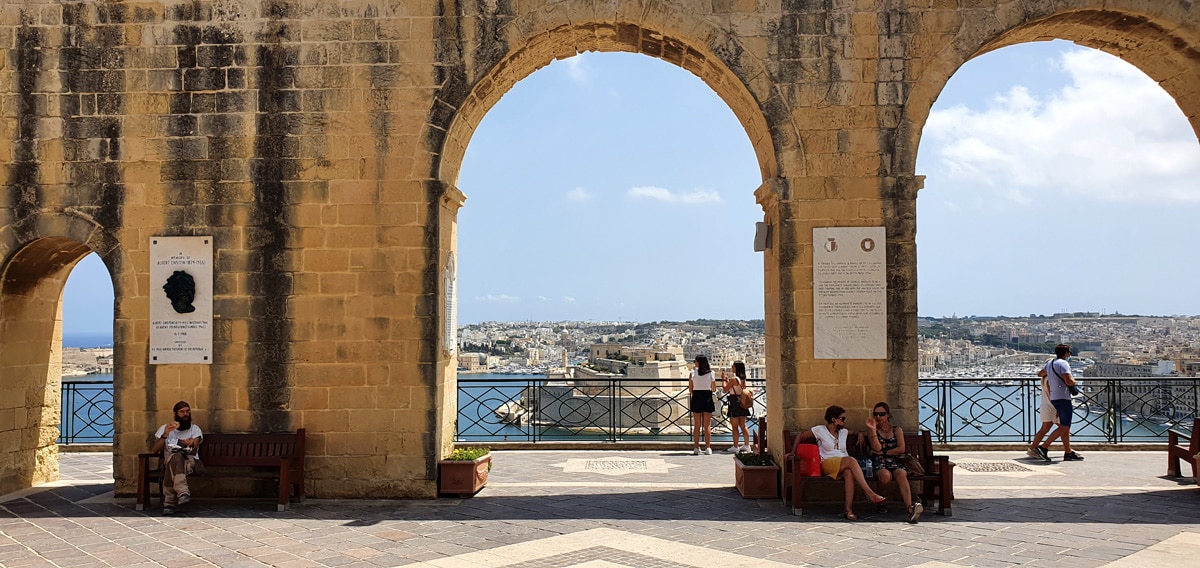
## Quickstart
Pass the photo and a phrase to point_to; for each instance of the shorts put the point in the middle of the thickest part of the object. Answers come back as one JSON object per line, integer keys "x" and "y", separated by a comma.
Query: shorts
{"x": 832, "y": 466}
{"x": 702, "y": 401}
{"x": 1065, "y": 412}
{"x": 735, "y": 407}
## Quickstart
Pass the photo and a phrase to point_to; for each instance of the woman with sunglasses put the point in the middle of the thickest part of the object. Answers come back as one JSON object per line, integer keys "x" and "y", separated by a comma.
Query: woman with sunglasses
{"x": 887, "y": 445}
{"x": 835, "y": 459}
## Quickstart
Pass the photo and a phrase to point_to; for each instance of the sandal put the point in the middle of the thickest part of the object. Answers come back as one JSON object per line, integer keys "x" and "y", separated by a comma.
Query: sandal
{"x": 850, "y": 516}
{"x": 877, "y": 499}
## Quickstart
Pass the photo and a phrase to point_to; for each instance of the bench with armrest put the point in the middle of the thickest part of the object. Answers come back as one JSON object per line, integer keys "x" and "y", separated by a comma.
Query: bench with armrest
{"x": 259, "y": 456}
{"x": 937, "y": 483}
{"x": 1183, "y": 444}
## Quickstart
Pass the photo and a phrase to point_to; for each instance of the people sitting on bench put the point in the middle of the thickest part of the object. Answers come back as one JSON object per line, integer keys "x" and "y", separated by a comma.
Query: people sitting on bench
{"x": 887, "y": 449}
{"x": 179, "y": 441}
{"x": 836, "y": 461}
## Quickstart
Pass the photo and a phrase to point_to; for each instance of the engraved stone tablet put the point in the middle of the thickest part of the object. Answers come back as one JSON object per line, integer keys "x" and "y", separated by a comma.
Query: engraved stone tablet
{"x": 181, "y": 283}
{"x": 849, "y": 293}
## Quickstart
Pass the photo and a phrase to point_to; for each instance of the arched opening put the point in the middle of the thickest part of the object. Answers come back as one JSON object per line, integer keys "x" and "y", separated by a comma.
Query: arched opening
{"x": 607, "y": 187}
{"x": 31, "y": 330}
{"x": 1061, "y": 185}
{"x": 565, "y": 42}
{"x": 87, "y": 356}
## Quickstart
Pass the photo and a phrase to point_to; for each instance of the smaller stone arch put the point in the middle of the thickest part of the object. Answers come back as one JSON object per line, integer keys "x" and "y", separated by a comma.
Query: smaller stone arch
{"x": 32, "y": 279}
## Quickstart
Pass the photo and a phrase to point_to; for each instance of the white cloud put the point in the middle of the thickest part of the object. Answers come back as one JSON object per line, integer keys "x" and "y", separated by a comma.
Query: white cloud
{"x": 694, "y": 197}
{"x": 543, "y": 298}
{"x": 498, "y": 298}
{"x": 578, "y": 194}
{"x": 576, "y": 68}
{"x": 1111, "y": 134}
{"x": 568, "y": 299}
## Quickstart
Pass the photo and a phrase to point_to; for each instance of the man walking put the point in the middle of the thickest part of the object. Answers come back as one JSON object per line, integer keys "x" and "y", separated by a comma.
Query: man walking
{"x": 180, "y": 442}
{"x": 1057, "y": 372}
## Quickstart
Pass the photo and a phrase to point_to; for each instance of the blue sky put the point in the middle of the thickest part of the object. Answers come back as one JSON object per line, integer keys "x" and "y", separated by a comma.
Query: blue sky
{"x": 617, "y": 186}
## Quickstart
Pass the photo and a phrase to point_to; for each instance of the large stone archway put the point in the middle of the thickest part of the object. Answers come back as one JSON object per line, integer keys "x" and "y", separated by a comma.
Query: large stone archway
{"x": 318, "y": 142}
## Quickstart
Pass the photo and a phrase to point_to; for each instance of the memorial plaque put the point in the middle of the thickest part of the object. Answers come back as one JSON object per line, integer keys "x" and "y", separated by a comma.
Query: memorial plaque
{"x": 181, "y": 300}
{"x": 450, "y": 325}
{"x": 849, "y": 293}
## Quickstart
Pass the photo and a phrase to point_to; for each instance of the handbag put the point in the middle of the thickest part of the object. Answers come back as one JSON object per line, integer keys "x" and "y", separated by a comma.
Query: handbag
{"x": 746, "y": 399}
{"x": 809, "y": 457}
{"x": 912, "y": 464}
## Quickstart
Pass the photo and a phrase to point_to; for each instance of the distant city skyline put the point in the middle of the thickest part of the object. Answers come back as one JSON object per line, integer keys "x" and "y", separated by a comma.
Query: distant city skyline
{"x": 619, "y": 187}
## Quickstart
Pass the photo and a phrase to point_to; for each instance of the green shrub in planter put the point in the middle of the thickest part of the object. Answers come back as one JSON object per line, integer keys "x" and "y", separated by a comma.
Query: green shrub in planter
{"x": 464, "y": 472}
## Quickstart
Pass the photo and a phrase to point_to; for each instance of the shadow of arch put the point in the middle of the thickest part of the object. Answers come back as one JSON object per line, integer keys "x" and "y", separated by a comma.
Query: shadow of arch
{"x": 1164, "y": 46}
{"x": 740, "y": 79}
{"x": 31, "y": 288}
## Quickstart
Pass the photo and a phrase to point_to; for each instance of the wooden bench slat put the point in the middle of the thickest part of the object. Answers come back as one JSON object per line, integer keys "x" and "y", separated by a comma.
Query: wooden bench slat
{"x": 1176, "y": 451}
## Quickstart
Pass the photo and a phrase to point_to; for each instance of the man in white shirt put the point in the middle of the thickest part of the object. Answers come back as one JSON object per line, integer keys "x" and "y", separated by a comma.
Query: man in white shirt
{"x": 180, "y": 443}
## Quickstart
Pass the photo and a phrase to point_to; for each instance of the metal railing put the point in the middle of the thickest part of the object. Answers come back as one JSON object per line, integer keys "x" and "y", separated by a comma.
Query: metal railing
{"x": 539, "y": 409}
{"x": 1002, "y": 409}
{"x": 87, "y": 412}
{"x": 996, "y": 409}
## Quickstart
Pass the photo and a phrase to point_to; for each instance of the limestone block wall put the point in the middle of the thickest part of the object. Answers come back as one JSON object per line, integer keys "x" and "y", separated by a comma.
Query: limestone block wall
{"x": 318, "y": 142}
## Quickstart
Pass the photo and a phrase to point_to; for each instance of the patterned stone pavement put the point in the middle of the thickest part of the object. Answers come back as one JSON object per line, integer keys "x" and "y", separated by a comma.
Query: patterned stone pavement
{"x": 611, "y": 509}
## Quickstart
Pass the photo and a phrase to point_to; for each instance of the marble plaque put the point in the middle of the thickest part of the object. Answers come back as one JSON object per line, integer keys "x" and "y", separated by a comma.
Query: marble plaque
{"x": 181, "y": 300}
{"x": 849, "y": 293}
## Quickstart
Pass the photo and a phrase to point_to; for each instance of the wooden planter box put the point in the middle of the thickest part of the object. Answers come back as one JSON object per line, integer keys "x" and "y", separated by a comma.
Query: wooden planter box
{"x": 756, "y": 481}
{"x": 463, "y": 478}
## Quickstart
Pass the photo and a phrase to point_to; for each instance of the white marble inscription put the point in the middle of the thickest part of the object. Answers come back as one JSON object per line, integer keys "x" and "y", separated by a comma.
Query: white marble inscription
{"x": 181, "y": 300}
{"x": 849, "y": 293}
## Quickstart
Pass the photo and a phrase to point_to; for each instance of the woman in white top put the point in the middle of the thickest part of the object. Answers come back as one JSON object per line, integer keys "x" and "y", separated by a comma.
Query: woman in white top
{"x": 835, "y": 457}
{"x": 700, "y": 384}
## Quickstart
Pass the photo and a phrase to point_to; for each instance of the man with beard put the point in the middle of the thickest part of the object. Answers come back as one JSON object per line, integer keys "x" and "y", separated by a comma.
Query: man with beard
{"x": 180, "y": 442}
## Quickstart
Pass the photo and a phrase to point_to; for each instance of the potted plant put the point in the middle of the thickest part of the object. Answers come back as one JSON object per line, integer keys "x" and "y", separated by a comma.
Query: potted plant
{"x": 464, "y": 472}
{"x": 756, "y": 476}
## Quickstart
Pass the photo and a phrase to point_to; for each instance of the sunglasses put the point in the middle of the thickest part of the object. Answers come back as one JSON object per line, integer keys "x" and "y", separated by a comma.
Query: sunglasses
{"x": 880, "y": 413}
{"x": 842, "y": 418}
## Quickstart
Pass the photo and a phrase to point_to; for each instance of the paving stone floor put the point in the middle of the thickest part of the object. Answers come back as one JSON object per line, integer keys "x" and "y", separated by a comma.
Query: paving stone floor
{"x": 599, "y": 509}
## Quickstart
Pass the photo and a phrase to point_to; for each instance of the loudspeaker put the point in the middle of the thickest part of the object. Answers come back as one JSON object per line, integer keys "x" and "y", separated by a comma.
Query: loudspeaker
{"x": 762, "y": 236}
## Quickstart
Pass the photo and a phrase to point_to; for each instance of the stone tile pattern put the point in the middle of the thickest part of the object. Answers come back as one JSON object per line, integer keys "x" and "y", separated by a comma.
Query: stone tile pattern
{"x": 619, "y": 557}
{"x": 318, "y": 142}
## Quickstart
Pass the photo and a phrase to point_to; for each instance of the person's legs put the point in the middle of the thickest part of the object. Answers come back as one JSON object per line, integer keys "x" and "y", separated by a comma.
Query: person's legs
{"x": 1065, "y": 415}
{"x": 848, "y": 508}
{"x": 697, "y": 431}
{"x": 707, "y": 418}
{"x": 733, "y": 425}
{"x": 1037, "y": 436}
{"x": 745, "y": 430}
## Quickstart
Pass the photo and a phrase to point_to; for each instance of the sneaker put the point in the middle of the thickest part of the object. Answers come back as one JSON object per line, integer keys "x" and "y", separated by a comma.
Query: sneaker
{"x": 708, "y": 452}
{"x": 1072, "y": 457}
{"x": 917, "y": 509}
{"x": 1033, "y": 453}
{"x": 185, "y": 498}
{"x": 168, "y": 511}
{"x": 1045, "y": 454}
{"x": 733, "y": 450}
{"x": 695, "y": 451}
{"x": 747, "y": 449}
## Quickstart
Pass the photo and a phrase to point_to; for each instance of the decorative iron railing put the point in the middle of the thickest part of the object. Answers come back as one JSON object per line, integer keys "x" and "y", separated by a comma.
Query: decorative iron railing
{"x": 539, "y": 409}
{"x": 87, "y": 413}
{"x": 1111, "y": 410}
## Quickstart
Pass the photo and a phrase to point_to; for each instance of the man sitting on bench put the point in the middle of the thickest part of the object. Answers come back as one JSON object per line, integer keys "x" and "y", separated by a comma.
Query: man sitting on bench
{"x": 180, "y": 442}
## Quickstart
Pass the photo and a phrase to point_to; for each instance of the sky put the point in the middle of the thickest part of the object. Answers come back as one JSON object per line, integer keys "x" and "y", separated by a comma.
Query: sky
{"x": 620, "y": 187}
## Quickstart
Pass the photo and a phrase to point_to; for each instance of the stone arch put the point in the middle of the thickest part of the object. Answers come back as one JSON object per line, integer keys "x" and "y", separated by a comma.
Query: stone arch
{"x": 1164, "y": 44}
{"x": 737, "y": 76}
{"x": 32, "y": 278}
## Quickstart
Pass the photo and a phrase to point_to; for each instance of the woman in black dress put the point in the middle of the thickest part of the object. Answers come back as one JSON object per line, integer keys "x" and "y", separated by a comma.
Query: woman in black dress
{"x": 887, "y": 445}
{"x": 734, "y": 387}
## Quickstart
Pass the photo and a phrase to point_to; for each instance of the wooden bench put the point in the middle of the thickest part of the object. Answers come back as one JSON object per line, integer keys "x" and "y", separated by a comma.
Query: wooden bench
{"x": 1176, "y": 452}
{"x": 259, "y": 456}
{"x": 937, "y": 483}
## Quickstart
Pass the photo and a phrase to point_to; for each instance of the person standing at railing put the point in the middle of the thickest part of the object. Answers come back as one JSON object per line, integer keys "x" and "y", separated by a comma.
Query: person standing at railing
{"x": 701, "y": 384}
{"x": 734, "y": 387}
{"x": 180, "y": 443}
{"x": 1058, "y": 374}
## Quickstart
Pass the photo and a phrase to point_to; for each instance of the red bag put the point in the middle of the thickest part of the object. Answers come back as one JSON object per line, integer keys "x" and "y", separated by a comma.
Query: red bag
{"x": 808, "y": 458}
